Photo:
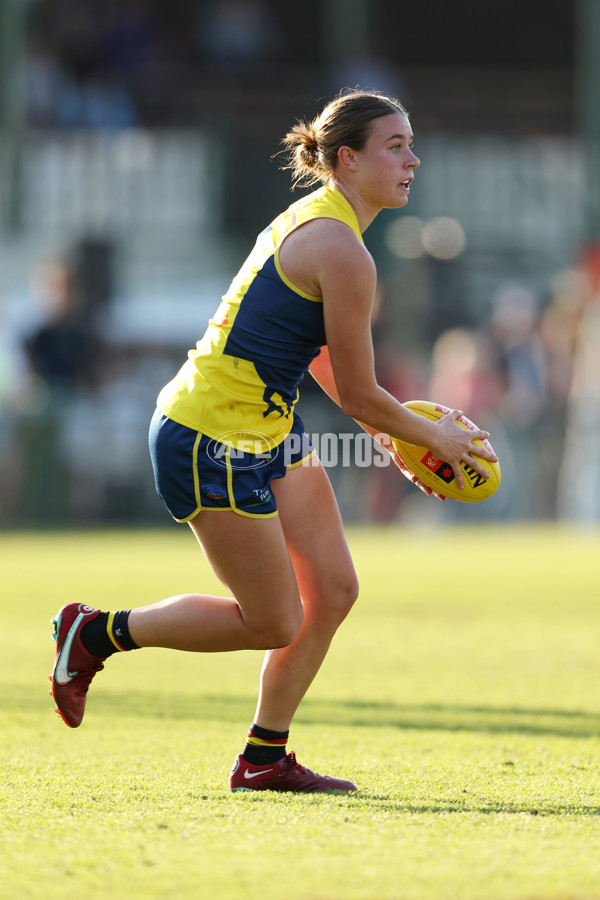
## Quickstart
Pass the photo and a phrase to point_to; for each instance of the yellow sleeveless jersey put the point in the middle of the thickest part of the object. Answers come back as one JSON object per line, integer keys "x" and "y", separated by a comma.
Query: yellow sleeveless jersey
{"x": 241, "y": 382}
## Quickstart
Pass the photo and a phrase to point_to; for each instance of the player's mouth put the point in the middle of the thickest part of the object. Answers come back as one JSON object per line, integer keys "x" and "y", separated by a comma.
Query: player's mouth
{"x": 405, "y": 185}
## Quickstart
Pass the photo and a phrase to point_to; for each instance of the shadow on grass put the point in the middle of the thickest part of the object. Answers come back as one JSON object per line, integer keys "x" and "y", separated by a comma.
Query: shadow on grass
{"x": 365, "y": 800}
{"x": 400, "y": 805}
{"x": 351, "y": 713}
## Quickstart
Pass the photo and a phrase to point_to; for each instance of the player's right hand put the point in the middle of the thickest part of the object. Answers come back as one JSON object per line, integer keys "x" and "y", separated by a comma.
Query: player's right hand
{"x": 456, "y": 445}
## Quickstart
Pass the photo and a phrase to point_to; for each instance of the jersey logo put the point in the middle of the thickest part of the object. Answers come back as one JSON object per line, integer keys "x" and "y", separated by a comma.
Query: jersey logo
{"x": 272, "y": 407}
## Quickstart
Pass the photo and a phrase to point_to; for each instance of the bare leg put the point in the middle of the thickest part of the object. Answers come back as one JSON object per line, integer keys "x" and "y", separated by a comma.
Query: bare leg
{"x": 328, "y": 586}
{"x": 301, "y": 553}
{"x": 251, "y": 558}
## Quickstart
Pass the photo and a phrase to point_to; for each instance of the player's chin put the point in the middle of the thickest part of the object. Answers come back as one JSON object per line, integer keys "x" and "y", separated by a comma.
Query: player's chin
{"x": 401, "y": 200}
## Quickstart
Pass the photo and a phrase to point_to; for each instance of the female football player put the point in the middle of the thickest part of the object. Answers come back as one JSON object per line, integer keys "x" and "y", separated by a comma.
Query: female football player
{"x": 230, "y": 454}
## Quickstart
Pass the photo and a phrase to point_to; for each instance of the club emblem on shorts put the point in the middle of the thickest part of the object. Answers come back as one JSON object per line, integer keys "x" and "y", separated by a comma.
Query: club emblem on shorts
{"x": 213, "y": 492}
{"x": 438, "y": 467}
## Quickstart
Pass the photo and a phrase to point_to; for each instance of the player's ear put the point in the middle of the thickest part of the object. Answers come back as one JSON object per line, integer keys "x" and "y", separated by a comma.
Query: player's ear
{"x": 347, "y": 158}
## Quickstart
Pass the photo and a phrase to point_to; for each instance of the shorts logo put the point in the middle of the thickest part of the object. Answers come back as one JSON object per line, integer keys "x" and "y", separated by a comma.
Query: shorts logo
{"x": 242, "y": 450}
{"x": 213, "y": 491}
{"x": 438, "y": 467}
{"x": 263, "y": 495}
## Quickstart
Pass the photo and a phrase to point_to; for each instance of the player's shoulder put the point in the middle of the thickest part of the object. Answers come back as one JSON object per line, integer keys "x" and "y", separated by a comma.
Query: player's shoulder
{"x": 331, "y": 237}
{"x": 339, "y": 245}
{"x": 334, "y": 254}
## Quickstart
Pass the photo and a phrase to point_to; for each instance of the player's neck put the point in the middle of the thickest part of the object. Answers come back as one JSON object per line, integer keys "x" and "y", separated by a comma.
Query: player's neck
{"x": 365, "y": 213}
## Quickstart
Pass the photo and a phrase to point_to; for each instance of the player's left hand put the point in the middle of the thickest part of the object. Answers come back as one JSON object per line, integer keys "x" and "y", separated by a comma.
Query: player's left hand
{"x": 408, "y": 474}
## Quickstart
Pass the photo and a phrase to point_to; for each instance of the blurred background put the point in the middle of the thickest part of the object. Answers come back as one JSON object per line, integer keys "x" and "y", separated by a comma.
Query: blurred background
{"x": 136, "y": 167}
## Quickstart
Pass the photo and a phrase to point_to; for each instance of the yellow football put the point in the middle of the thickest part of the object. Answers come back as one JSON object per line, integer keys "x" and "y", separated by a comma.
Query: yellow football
{"x": 436, "y": 473}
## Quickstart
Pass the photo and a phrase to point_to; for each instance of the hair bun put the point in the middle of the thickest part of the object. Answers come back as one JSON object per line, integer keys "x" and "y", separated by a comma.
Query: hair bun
{"x": 309, "y": 149}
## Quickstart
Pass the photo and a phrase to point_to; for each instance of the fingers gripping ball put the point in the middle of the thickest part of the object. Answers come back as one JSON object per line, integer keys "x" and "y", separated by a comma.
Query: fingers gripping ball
{"x": 437, "y": 474}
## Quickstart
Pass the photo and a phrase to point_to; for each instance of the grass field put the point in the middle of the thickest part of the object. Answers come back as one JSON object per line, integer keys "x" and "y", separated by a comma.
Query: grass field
{"x": 463, "y": 695}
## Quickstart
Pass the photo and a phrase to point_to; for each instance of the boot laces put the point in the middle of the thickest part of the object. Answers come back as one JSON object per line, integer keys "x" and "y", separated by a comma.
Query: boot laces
{"x": 300, "y": 768}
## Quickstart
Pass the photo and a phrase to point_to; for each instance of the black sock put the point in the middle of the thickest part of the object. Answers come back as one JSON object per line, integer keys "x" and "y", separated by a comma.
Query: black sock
{"x": 108, "y": 633}
{"x": 264, "y": 746}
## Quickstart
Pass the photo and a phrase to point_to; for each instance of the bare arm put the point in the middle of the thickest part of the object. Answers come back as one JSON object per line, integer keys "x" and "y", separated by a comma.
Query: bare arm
{"x": 347, "y": 279}
{"x": 321, "y": 371}
{"x": 345, "y": 273}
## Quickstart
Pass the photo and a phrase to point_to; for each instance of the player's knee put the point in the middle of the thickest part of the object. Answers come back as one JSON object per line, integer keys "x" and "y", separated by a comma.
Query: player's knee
{"x": 283, "y": 636}
{"x": 340, "y": 595}
{"x": 347, "y": 594}
{"x": 280, "y": 632}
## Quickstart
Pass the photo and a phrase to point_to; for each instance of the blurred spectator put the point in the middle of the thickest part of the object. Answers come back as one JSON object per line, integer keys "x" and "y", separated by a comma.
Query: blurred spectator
{"x": 463, "y": 374}
{"x": 11, "y": 365}
{"x": 79, "y": 55}
{"x": 515, "y": 329}
{"x": 579, "y": 482}
{"x": 63, "y": 355}
{"x": 62, "y": 351}
{"x": 128, "y": 62}
{"x": 100, "y": 101}
{"x": 466, "y": 375}
{"x": 374, "y": 70}
{"x": 128, "y": 36}
{"x": 518, "y": 346}
{"x": 76, "y": 28}
{"x": 237, "y": 32}
{"x": 45, "y": 82}
{"x": 5, "y": 361}
{"x": 559, "y": 324}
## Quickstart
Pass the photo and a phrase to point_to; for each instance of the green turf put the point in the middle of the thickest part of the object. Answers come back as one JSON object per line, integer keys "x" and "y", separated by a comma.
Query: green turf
{"x": 463, "y": 695}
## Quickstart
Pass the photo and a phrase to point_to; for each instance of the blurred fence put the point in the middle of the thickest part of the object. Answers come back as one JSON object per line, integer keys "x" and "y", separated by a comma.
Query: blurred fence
{"x": 133, "y": 179}
{"x": 504, "y": 191}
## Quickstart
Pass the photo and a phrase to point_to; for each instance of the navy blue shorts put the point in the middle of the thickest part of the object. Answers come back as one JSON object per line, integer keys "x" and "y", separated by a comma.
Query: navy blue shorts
{"x": 194, "y": 472}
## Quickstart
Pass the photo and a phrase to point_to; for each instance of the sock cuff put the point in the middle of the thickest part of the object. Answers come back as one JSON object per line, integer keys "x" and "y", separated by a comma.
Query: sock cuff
{"x": 118, "y": 630}
{"x": 261, "y": 737}
{"x": 109, "y": 631}
{"x": 264, "y": 746}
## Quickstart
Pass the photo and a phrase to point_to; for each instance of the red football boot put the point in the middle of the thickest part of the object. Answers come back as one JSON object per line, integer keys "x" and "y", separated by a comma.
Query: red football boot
{"x": 74, "y": 667}
{"x": 284, "y": 775}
